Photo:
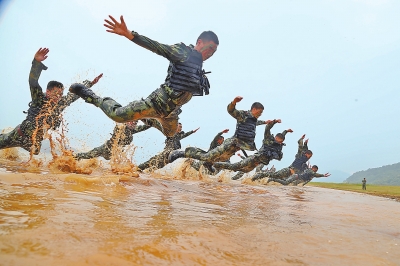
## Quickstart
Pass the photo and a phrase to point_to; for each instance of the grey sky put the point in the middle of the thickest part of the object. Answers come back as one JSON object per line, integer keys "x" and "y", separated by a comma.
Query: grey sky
{"x": 329, "y": 69}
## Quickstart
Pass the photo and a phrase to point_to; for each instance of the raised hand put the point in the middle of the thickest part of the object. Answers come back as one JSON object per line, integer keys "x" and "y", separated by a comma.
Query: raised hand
{"x": 119, "y": 28}
{"x": 304, "y": 135}
{"x": 237, "y": 99}
{"x": 41, "y": 54}
{"x": 327, "y": 174}
{"x": 289, "y": 130}
{"x": 196, "y": 130}
{"x": 225, "y": 131}
{"x": 96, "y": 79}
{"x": 306, "y": 141}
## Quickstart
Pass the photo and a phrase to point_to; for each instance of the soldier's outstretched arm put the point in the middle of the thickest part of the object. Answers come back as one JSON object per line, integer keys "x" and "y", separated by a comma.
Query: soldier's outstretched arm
{"x": 171, "y": 52}
{"x": 68, "y": 99}
{"x": 184, "y": 135}
{"x": 270, "y": 124}
{"x": 34, "y": 74}
{"x": 232, "y": 108}
{"x": 287, "y": 131}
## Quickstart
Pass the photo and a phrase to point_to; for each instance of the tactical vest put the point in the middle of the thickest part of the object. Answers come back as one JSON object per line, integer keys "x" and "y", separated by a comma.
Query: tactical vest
{"x": 246, "y": 130}
{"x": 300, "y": 163}
{"x": 273, "y": 150}
{"x": 188, "y": 76}
{"x": 308, "y": 174}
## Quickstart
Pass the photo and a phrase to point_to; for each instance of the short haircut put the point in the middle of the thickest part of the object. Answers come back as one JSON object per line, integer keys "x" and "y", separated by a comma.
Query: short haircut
{"x": 280, "y": 135}
{"x": 314, "y": 166}
{"x": 257, "y": 105}
{"x": 180, "y": 124}
{"x": 308, "y": 152}
{"x": 53, "y": 84}
{"x": 208, "y": 36}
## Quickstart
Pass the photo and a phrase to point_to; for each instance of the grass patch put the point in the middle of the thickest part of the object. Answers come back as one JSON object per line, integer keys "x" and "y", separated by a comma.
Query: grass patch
{"x": 377, "y": 190}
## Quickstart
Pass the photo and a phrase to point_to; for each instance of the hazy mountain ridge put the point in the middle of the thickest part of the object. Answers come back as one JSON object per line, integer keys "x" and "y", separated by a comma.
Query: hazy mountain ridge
{"x": 385, "y": 175}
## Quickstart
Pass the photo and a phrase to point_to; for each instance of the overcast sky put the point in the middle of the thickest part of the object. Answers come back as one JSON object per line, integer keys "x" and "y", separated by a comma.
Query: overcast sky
{"x": 330, "y": 69}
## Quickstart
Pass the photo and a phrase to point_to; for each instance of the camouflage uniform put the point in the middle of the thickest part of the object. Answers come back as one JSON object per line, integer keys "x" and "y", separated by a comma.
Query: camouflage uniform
{"x": 288, "y": 171}
{"x": 229, "y": 147}
{"x": 254, "y": 160}
{"x": 160, "y": 160}
{"x": 122, "y": 138}
{"x": 305, "y": 176}
{"x": 161, "y": 103}
{"x": 41, "y": 115}
{"x": 364, "y": 184}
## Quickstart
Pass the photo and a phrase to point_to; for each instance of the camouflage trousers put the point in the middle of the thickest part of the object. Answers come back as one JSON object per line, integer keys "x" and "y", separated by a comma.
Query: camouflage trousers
{"x": 196, "y": 164}
{"x": 156, "y": 162}
{"x": 219, "y": 154}
{"x": 281, "y": 174}
{"x": 286, "y": 181}
{"x": 158, "y": 106}
{"x": 245, "y": 165}
{"x": 240, "y": 174}
{"x": 103, "y": 151}
{"x": 16, "y": 138}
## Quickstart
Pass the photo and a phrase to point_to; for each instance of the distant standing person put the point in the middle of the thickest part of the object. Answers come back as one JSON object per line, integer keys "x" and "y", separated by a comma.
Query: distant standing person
{"x": 364, "y": 184}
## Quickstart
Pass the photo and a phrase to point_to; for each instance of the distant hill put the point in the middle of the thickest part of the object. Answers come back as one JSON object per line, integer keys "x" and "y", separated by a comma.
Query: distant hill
{"x": 385, "y": 175}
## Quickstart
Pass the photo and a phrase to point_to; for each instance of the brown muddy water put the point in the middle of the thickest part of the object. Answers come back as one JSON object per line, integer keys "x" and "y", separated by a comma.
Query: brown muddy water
{"x": 163, "y": 219}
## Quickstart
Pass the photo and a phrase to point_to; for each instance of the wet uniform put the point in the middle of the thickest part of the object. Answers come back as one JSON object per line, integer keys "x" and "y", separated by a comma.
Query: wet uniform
{"x": 298, "y": 165}
{"x": 304, "y": 177}
{"x": 269, "y": 151}
{"x": 122, "y": 136}
{"x": 42, "y": 114}
{"x": 230, "y": 146}
{"x": 160, "y": 160}
{"x": 171, "y": 95}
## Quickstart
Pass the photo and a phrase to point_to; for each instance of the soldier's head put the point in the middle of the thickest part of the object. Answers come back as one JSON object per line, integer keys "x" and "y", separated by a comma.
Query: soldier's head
{"x": 257, "y": 109}
{"x": 220, "y": 140}
{"x": 279, "y": 138}
{"x": 131, "y": 124}
{"x": 54, "y": 90}
{"x": 207, "y": 44}
{"x": 314, "y": 168}
{"x": 179, "y": 128}
{"x": 308, "y": 154}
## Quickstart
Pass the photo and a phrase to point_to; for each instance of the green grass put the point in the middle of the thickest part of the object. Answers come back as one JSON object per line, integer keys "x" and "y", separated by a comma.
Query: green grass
{"x": 378, "y": 190}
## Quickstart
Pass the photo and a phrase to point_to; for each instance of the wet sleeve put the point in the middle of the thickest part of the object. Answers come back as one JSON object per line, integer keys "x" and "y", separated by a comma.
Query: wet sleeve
{"x": 175, "y": 53}
{"x": 36, "y": 91}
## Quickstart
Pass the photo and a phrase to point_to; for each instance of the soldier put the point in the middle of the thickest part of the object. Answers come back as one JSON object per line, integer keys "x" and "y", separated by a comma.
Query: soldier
{"x": 364, "y": 184}
{"x": 185, "y": 79}
{"x": 122, "y": 136}
{"x": 218, "y": 140}
{"x": 44, "y": 110}
{"x": 270, "y": 150}
{"x": 298, "y": 165}
{"x": 242, "y": 139}
{"x": 258, "y": 168}
{"x": 171, "y": 143}
{"x": 305, "y": 177}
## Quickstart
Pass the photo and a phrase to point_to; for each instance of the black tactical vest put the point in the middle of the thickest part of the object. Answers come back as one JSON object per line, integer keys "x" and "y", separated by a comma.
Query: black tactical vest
{"x": 246, "y": 130}
{"x": 308, "y": 174}
{"x": 300, "y": 163}
{"x": 273, "y": 150}
{"x": 188, "y": 76}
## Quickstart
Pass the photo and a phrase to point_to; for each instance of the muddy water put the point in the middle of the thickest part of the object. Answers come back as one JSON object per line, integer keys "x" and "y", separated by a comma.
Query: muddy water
{"x": 72, "y": 219}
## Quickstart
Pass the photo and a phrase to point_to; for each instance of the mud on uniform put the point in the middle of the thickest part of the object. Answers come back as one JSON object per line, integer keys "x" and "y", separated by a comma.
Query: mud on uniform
{"x": 185, "y": 79}
{"x": 42, "y": 114}
{"x": 243, "y": 138}
{"x": 269, "y": 151}
{"x": 160, "y": 160}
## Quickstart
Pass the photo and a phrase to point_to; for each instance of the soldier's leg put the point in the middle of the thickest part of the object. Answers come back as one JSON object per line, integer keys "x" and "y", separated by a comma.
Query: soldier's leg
{"x": 221, "y": 153}
{"x": 156, "y": 162}
{"x": 245, "y": 165}
{"x": 259, "y": 167}
{"x": 238, "y": 175}
{"x": 96, "y": 152}
{"x": 195, "y": 164}
{"x": 281, "y": 174}
{"x": 10, "y": 139}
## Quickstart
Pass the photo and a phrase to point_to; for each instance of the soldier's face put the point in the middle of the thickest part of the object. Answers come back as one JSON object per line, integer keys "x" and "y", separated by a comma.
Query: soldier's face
{"x": 278, "y": 139}
{"x": 256, "y": 112}
{"x": 220, "y": 140}
{"x": 179, "y": 128}
{"x": 54, "y": 94}
{"x": 314, "y": 169}
{"x": 308, "y": 155}
{"x": 207, "y": 48}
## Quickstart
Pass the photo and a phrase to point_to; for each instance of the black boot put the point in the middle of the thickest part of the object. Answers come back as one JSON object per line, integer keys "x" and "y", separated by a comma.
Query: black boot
{"x": 173, "y": 155}
{"x": 85, "y": 93}
{"x": 209, "y": 167}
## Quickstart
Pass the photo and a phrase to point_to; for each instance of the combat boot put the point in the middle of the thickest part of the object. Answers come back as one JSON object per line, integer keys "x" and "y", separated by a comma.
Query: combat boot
{"x": 85, "y": 93}
{"x": 173, "y": 155}
{"x": 209, "y": 167}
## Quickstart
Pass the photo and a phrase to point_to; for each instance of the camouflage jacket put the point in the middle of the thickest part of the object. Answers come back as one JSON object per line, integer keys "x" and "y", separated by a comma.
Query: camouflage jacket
{"x": 302, "y": 147}
{"x": 240, "y": 116}
{"x": 214, "y": 143}
{"x": 42, "y": 113}
{"x": 309, "y": 174}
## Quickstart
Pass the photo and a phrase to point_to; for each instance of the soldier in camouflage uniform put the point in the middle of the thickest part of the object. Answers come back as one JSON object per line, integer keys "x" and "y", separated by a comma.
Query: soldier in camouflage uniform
{"x": 44, "y": 110}
{"x": 171, "y": 143}
{"x": 305, "y": 177}
{"x": 270, "y": 150}
{"x": 185, "y": 79}
{"x": 242, "y": 139}
{"x": 240, "y": 174}
{"x": 218, "y": 140}
{"x": 298, "y": 165}
{"x": 122, "y": 136}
